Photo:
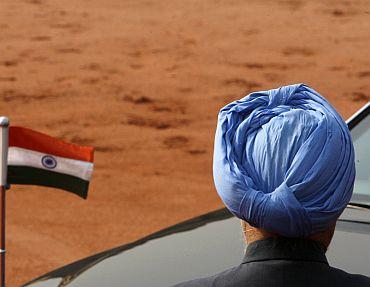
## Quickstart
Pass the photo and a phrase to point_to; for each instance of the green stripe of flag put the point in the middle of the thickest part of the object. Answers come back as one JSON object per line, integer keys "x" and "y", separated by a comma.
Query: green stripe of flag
{"x": 37, "y": 176}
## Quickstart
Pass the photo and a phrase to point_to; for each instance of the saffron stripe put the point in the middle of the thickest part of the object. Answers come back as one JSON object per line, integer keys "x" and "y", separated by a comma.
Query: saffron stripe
{"x": 36, "y": 176}
{"x": 33, "y": 140}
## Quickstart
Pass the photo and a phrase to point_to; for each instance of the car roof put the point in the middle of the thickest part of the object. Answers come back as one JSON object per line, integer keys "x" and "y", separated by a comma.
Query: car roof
{"x": 354, "y": 224}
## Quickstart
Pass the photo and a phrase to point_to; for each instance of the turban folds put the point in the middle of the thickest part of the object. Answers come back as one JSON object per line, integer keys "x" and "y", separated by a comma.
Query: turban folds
{"x": 284, "y": 161}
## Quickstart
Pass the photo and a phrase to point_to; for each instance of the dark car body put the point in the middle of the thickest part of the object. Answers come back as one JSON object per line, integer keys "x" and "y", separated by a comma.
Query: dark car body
{"x": 213, "y": 242}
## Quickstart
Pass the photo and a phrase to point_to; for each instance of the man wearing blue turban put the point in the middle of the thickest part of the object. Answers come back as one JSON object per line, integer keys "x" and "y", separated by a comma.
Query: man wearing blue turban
{"x": 284, "y": 164}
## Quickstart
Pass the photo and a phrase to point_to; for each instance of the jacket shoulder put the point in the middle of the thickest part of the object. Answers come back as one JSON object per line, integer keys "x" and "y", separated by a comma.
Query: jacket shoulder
{"x": 351, "y": 279}
{"x": 225, "y": 278}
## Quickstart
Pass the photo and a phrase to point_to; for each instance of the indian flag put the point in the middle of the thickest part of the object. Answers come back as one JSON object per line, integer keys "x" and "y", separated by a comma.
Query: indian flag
{"x": 38, "y": 159}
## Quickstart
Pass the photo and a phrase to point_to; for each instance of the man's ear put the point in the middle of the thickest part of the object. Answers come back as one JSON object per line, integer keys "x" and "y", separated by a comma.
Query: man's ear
{"x": 252, "y": 234}
{"x": 325, "y": 236}
{"x": 243, "y": 224}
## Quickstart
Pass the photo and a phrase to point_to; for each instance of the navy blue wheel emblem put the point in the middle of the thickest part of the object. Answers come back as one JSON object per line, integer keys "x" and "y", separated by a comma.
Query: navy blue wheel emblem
{"x": 49, "y": 162}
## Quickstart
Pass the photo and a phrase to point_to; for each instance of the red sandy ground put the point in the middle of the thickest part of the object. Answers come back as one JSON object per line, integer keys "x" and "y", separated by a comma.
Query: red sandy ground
{"x": 142, "y": 81}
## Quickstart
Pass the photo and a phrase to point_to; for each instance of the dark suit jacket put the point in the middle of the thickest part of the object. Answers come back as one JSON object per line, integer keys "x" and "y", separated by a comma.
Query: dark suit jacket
{"x": 282, "y": 262}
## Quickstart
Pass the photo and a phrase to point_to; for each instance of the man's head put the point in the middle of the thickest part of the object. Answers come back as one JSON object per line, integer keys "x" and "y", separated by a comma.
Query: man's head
{"x": 284, "y": 161}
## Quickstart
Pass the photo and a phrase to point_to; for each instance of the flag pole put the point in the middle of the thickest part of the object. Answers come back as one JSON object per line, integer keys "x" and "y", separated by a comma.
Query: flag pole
{"x": 4, "y": 134}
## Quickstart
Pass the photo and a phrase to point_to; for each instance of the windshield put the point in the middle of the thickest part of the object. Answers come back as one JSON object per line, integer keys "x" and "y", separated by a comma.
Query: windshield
{"x": 361, "y": 140}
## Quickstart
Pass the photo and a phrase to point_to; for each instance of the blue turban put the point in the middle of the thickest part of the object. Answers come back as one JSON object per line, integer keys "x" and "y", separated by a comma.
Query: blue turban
{"x": 284, "y": 161}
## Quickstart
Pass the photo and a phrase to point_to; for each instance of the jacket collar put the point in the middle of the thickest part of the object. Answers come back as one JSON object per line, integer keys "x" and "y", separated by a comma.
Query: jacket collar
{"x": 275, "y": 248}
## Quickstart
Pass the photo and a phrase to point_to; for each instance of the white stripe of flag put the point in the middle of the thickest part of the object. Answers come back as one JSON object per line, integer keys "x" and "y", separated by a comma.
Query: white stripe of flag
{"x": 24, "y": 157}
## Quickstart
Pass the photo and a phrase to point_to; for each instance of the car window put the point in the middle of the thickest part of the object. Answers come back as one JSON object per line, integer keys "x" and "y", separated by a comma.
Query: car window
{"x": 361, "y": 140}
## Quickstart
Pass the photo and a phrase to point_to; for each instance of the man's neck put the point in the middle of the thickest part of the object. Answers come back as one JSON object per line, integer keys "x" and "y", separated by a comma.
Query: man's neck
{"x": 252, "y": 234}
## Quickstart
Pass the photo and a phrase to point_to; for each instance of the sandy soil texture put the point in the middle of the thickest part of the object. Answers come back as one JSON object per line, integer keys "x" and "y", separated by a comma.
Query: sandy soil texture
{"x": 142, "y": 81}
